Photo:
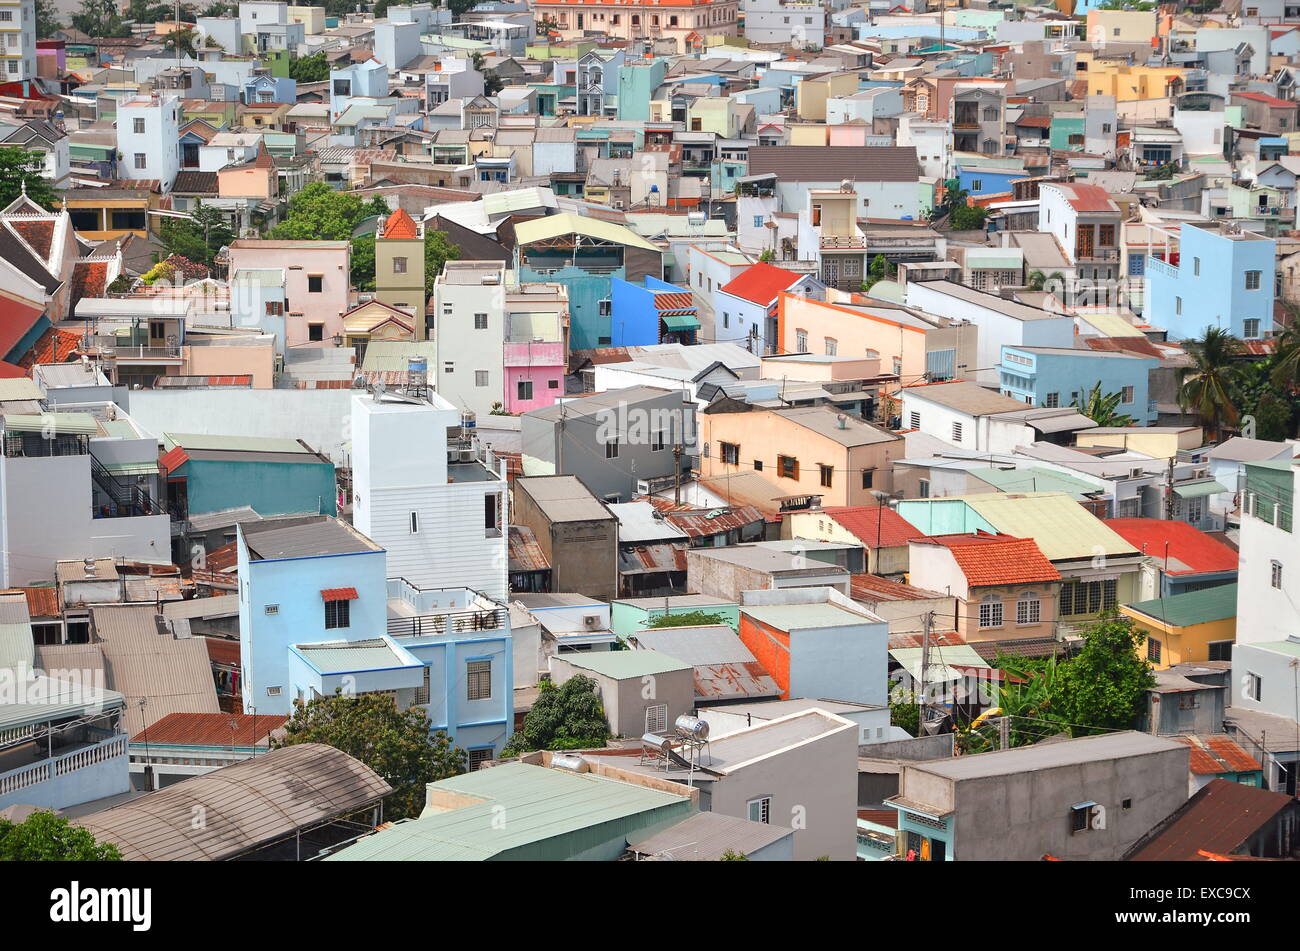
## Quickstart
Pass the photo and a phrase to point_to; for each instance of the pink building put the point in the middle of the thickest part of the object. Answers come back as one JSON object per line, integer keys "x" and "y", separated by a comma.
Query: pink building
{"x": 534, "y": 375}
{"x": 536, "y": 346}
{"x": 317, "y": 275}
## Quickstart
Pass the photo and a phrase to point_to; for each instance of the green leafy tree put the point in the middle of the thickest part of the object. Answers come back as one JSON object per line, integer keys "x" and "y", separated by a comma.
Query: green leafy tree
{"x": 45, "y": 837}
{"x": 21, "y": 168}
{"x": 198, "y": 239}
{"x": 1162, "y": 173}
{"x": 1285, "y": 368}
{"x": 731, "y": 855}
{"x": 902, "y": 709}
{"x": 183, "y": 37}
{"x": 310, "y": 69}
{"x": 437, "y": 252}
{"x": 363, "y": 262}
{"x": 968, "y": 217}
{"x": 1206, "y": 387}
{"x": 100, "y": 18}
{"x": 1105, "y": 685}
{"x": 1029, "y": 695}
{"x": 567, "y": 717}
{"x": 220, "y": 9}
{"x": 1259, "y": 391}
{"x": 399, "y": 745}
{"x": 685, "y": 619}
{"x": 1102, "y": 408}
{"x": 457, "y": 7}
{"x": 319, "y": 213}
{"x": 767, "y": 256}
{"x": 47, "y": 19}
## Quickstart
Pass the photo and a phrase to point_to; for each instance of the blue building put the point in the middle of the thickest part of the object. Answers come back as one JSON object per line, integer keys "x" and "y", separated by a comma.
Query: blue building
{"x": 272, "y": 476}
{"x": 264, "y": 89}
{"x": 1058, "y": 376}
{"x": 317, "y": 615}
{"x": 985, "y": 180}
{"x": 585, "y": 255}
{"x": 656, "y": 312}
{"x": 1216, "y": 278}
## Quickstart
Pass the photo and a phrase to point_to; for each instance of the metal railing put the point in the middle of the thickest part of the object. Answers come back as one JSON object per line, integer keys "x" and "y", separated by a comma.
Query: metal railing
{"x": 458, "y": 622}
{"x": 37, "y": 773}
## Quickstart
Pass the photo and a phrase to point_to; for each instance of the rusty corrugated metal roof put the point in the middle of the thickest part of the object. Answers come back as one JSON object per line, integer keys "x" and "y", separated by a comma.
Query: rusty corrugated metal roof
{"x": 732, "y": 681}
{"x": 701, "y": 522}
{"x": 525, "y": 553}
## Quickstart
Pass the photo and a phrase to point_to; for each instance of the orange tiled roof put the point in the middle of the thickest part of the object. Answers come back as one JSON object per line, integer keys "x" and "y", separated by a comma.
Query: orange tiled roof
{"x": 997, "y": 559}
{"x": 53, "y": 346}
{"x": 400, "y": 225}
{"x": 39, "y": 234}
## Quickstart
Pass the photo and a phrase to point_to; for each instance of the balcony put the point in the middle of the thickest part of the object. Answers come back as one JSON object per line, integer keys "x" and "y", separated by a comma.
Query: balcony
{"x": 843, "y": 242}
{"x": 65, "y": 777}
{"x": 454, "y": 622}
{"x": 1097, "y": 254}
{"x": 1157, "y": 266}
{"x": 109, "y": 348}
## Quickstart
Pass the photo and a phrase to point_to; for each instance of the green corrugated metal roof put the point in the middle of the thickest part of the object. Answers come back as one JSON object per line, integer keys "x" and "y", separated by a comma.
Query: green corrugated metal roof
{"x": 680, "y": 322}
{"x": 1194, "y": 607}
{"x": 131, "y": 468}
{"x": 944, "y": 662}
{"x": 344, "y": 658}
{"x": 46, "y": 699}
{"x": 1060, "y": 526}
{"x": 79, "y": 424}
{"x": 231, "y": 443}
{"x": 118, "y": 427}
{"x": 1035, "y": 479}
{"x": 1199, "y": 490}
{"x": 1290, "y": 648}
{"x": 540, "y": 804}
{"x": 622, "y": 665}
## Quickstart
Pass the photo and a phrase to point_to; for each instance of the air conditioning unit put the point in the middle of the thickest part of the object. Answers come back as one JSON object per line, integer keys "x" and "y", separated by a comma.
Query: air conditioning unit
{"x": 591, "y": 622}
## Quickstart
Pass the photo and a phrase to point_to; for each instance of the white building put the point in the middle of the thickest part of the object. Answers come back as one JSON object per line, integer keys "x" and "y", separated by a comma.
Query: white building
{"x": 79, "y": 483}
{"x": 968, "y": 416}
{"x": 1268, "y": 574}
{"x": 425, "y": 497}
{"x": 148, "y": 138}
{"x": 17, "y": 40}
{"x": 469, "y": 316}
{"x": 253, "y": 16}
{"x": 932, "y": 139}
{"x": 784, "y": 22}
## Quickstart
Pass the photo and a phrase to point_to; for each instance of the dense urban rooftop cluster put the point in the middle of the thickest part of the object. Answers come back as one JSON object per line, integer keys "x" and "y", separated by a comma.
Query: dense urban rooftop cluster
{"x": 695, "y": 430}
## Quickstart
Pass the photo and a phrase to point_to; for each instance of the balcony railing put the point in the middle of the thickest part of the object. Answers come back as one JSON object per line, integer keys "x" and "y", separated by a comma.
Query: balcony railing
{"x": 109, "y": 347}
{"x": 33, "y": 775}
{"x": 1157, "y": 266}
{"x": 847, "y": 242}
{"x": 458, "y": 622}
{"x": 1097, "y": 254}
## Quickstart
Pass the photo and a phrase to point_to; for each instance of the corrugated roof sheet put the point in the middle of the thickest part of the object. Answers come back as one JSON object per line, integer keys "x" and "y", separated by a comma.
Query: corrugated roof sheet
{"x": 1179, "y": 548}
{"x": 1217, "y": 754}
{"x": 875, "y": 525}
{"x": 248, "y": 805}
{"x": 1220, "y": 818}
{"x": 215, "y": 729}
{"x": 1192, "y": 607}
{"x": 525, "y": 553}
{"x": 705, "y": 836}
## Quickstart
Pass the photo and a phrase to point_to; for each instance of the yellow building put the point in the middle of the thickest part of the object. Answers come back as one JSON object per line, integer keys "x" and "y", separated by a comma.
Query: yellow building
{"x": 852, "y": 330}
{"x": 1159, "y": 442}
{"x": 399, "y": 267}
{"x": 1121, "y": 26}
{"x": 1186, "y": 628}
{"x": 312, "y": 18}
{"x": 811, "y": 95}
{"x": 1129, "y": 83}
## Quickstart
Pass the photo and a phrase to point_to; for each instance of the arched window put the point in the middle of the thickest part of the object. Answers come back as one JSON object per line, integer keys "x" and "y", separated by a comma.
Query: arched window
{"x": 1028, "y": 608}
{"x": 991, "y": 611}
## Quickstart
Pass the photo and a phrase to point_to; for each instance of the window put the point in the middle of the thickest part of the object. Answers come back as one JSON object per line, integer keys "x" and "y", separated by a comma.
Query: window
{"x": 1220, "y": 650}
{"x": 480, "y": 377}
{"x": 1081, "y": 817}
{"x": 1250, "y": 328}
{"x": 656, "y": 718}
{"x": 1178, "y": 305}
{"x": 1126, "y": 395}
{"x": 991, "y": 612}
{"x": 315, "y": 283}
{"x": 1087, "y": 597}
{"x": 956, "y": 432}
{"x": 399, "y": 265}
{"x": 478, "y": 680}
{"x": 1252, "y": 280}
{"x": 977, "y": 184}
{"x": 868, "y": 476}
{"x": 1195, "y": 510}
{"x": 1196, "y": 267}
{"x": 1253, "y": 688}
{"x": 272, "y": 609}
{"x": 758, "y": 221}
{"x": 1275, "y": 574}
{"x": 760, "y": 810}
{"x": 730, "y": 453}
{"x": 831, "y": 346}
{"x": 338, "y": 614}
{"x": 1153, "y": 650}
{"x": 141, "y": 161}
{"x": 315, "y": 331}
{"x": 787, "y": 467}
{"x": 137, "y": 126}
{"x": 448, "y": 367}
{"x": 478, "y": 757}
{"x": 611, "y": 448}
{"x": 524, "y": 390}
{"x": 415, "y": 523}
{"x": 552, "y": 384}
{"x": 1052, "y": 400}
{"x": 659, "y": 440}
{"x": 915, "y": 420}
{"x": 480, "y": 322}
{"x": 1189, "y": 701}
{"x": 827, "y": 475}
{"x": 605, "y": 307}
{"x": 1028, "y": 609}
{"x": 758, "y": 465}
{"x": 801, "y": 341}
{"x": 490, "y": 504}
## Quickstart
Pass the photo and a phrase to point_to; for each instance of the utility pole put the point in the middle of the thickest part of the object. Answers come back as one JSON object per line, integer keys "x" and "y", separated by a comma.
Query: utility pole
{"x": 559, "y": 442}
{"x": 1169, "y": 491}
{"x": 927, "y": 620}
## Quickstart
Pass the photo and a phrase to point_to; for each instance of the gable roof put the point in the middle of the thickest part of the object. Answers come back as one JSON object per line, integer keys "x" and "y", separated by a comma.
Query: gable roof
{"x": 400, "y": 225}
{"x": 874, "y": 524}
{"x": 996, "y": 559}
{"x": 1218, "y": 819}
{"x": 1182, "y": 549}
{"x": 761, "y": 283}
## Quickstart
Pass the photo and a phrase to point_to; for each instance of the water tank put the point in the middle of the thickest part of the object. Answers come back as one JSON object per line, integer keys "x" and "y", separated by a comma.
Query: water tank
{"x": 656, "y": 742}
{"x": 467, "y": 419}
{"x": 570, "y": 761}
{"x": 693, "y": 727}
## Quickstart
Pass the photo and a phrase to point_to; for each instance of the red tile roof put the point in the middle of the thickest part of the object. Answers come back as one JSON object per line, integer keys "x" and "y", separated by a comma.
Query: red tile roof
{"x": 1139, "y": 345}
{"x": 1266, "y": 99}
{"x": 16, "y": 320}
{"x": 1087, "y": 197}
{"x": 214, "y": 729}
{"x": 39, "y": 234}
{"x": 89, "y": 279}
{"x": 1213, "y": 755}
{"x": 865, "y": 521}
{"x": 997, "y": 559}
{"x": 1035, "y": 122}
{"x": 53, "y": 346}
{"x": 227, "y": 556}
{"x": 400, "y": 225}
{"x": 339, "y": 594}
{"x": 760, "y": 283}
{"x": 876, "y": 588}
{"x": 1190, "y": 550}
{"x": 173, "y": 460}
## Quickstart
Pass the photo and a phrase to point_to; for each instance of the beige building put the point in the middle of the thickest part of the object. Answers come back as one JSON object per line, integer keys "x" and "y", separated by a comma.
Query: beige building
{"x": 399, "y": 267}
{"x": 803, "y": 450}
{"x": 685, "y": 22}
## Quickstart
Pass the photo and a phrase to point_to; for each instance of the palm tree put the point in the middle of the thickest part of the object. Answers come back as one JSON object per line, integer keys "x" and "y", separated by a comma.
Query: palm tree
{"x": 1205, "y": 386}
{"x": 1102, "y": 408}
{"x": 1286, "y": 365}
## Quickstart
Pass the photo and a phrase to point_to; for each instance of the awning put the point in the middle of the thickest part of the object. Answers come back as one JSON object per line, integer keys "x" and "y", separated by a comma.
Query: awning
{"x": 131, "y": 468}
{"x": 61, "y": 424}
{"x": 1062, "y": 423}
{"x": 339, "y": 594}
{"x": 1199, "y": 490}
{"x": 680, "y": 322}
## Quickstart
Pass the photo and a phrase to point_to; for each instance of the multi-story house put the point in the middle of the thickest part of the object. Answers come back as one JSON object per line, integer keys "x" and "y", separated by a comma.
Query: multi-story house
{"x": 1268, "y": 576}
{"x": 1213, "y": 275}
{"x": 316, "y": 284}
{"x": 978, "y": 114}
{"x": 148, "y": 138}
{"x": 1085, "y": 221}
{"x": 469, "y": 312}
{"x": 17, "y": 41}
{"x": 536, "y": 345}
{"x": 421, "y": 491}
{"x": 399, "y": 267}
{"x": 1063, "y": 376}
{"x": 451, "y": 78}
{"x": 683, "y": 24}
{"x": 47, "y": 140}
{"x": 368, "y": 80}
{"x": 785, "y": 22}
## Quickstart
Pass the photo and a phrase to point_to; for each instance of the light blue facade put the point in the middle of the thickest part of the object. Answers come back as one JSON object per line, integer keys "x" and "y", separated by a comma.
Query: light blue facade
{"x": 636, "y": 86}
{"x": 368, "y": 80}
{"x": 1224, "y": 281}
{"x": 635, "y": 318}
{"x": 987, "y": 181}
{"x": 925, "y": 836}
{"x": 271, "y": 488}
{"x": 586, "y": 291}
{"x": 943, "y": 517}
{"x": 279, "y": 88}
{"x": 1044, "y": 376}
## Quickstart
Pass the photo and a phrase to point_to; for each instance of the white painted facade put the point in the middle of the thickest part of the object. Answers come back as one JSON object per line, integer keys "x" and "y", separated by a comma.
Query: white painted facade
{"x": 17, "y": 40}
{"x": 978, "y": 433}
{"x": 469, "y": 327}
{"x": 148, "y": 138}
{"x": 428, "y": 515}
{"x": 932, "y": 139}
{"x": 1266, "y": 612}
{"x": 778, "y": 21}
